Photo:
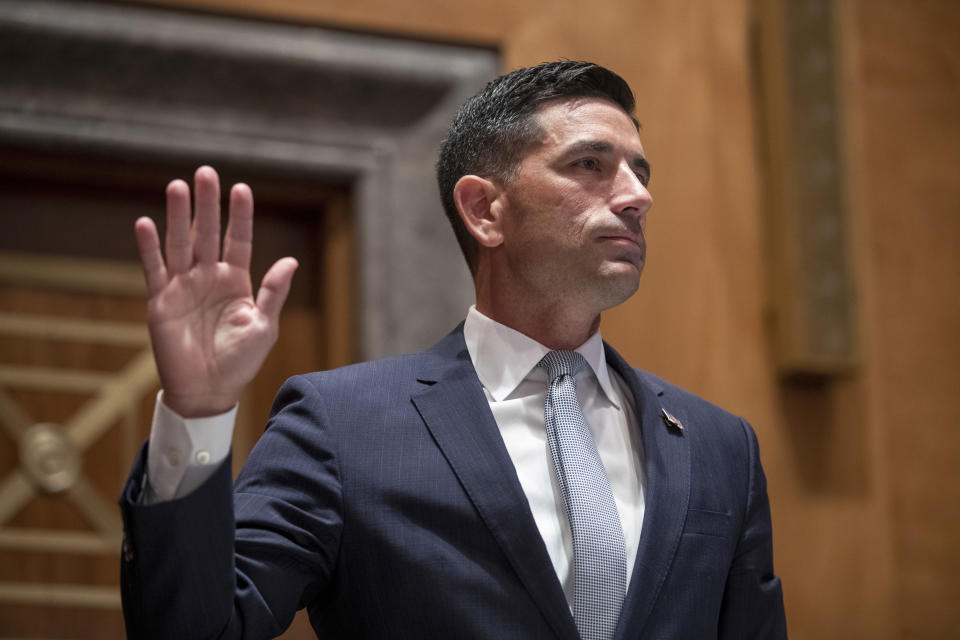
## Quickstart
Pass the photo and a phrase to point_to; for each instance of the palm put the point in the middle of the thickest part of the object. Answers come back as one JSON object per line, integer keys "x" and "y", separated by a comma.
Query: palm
{"x": 207, "y": 331}
{"x": 209, "y": 334}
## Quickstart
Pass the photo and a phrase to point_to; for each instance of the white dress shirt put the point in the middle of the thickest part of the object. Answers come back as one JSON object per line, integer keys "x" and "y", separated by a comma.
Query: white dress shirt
{"x": 183, "y": 453}
{"x": 516, "y": 388}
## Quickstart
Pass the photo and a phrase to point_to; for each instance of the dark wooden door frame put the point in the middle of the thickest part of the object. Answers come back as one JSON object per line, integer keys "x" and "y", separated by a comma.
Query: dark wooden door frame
{"x": 369, "y": 110}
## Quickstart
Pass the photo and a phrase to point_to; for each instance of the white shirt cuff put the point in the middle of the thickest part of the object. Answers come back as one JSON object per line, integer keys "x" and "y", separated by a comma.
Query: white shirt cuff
{"x": 184, "y": 452}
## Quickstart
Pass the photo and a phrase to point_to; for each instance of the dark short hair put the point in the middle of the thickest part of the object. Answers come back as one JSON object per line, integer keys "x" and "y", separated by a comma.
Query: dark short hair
{"x": 495, "y": 128}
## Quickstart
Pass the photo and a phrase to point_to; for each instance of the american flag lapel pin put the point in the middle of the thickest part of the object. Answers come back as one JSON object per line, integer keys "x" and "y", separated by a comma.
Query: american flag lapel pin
{"x": 671, "y": 420}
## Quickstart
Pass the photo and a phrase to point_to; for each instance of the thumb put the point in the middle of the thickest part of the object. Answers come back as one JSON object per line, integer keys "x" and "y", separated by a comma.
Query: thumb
{"x": 275, "y": 286}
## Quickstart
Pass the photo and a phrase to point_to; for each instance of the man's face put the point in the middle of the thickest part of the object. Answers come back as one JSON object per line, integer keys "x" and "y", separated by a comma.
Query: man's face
{"x": 575, "y": 213}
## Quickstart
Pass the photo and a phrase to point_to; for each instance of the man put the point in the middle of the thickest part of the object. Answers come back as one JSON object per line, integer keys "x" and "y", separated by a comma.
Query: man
{"x": 517, "y": 480}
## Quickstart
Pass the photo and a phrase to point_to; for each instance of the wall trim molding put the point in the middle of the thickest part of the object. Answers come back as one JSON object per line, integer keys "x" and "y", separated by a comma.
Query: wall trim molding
{"x": 128, "y": 80}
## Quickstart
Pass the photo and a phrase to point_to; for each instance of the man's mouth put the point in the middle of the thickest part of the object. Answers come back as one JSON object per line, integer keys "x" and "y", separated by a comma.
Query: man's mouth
{"x": 627, "y": 241}
{"x": 625, "y": 238}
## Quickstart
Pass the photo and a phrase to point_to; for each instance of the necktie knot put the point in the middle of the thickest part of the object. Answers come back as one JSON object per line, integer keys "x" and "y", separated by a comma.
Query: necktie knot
{"x": 563, "y": 362}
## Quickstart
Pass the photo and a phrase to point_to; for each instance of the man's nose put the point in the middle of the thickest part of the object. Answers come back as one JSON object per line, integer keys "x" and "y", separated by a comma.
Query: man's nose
{"x": 630, "y": 195}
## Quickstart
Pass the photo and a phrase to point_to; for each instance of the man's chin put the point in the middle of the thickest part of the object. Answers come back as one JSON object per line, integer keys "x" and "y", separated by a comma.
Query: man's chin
{"x": 620, "y": 281}
{"x": 625, "y": 268}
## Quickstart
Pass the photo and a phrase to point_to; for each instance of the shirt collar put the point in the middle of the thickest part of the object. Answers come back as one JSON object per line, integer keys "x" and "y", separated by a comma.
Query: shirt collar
{"x": 504, "y": 357}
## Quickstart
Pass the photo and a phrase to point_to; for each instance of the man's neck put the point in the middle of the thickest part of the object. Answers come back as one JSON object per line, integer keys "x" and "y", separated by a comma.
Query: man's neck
{"x": 557, "y": 315}
{"x": 553, "y": 326}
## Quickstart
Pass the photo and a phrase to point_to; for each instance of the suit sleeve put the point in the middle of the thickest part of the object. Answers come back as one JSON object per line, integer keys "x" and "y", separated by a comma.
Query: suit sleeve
{"x": 753, "y": 599}
{"x": 211, "y": 566}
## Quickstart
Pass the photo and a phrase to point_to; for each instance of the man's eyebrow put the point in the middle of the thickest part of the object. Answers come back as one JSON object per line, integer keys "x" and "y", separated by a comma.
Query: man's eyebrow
{"x": 588, "y": 146}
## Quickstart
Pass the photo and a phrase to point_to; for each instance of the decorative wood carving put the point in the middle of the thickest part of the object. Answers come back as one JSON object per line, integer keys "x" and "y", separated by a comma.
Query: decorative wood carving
{"x": 51, "y": 456}
{"x": 812, "y": 289}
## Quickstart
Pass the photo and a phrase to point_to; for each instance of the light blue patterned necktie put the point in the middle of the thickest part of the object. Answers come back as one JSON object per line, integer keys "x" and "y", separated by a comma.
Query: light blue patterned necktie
{"x": 599, "y": 557}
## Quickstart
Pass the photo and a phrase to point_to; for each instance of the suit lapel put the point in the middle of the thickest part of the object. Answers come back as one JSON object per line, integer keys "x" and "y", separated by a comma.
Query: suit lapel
{"x": 456, "y": 412}
{"x": 667, "y": 466}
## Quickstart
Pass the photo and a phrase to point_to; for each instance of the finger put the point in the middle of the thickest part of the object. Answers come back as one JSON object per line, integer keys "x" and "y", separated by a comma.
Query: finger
{"x": 206, "y": 216}
{"x": 238, "y": 243}
{"x": 275, "y": 287}
{"x": 148, "y": 243}
{"x": 179, "y": 249}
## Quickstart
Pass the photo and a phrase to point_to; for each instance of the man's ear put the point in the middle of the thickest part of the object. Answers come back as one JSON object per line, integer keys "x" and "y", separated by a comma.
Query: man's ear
{"x": 477, "y": 201}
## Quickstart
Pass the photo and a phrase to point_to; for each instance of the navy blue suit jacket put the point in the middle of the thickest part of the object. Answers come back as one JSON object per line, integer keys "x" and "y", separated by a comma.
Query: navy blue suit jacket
{"x": 382, "y": 498}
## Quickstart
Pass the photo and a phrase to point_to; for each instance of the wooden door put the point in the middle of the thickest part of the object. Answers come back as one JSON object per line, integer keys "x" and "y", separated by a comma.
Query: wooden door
{"x": 77, "y": 380}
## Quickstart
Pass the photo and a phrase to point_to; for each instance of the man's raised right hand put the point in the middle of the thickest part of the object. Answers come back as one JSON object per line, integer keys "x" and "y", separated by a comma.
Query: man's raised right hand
{"x": 210, "y": 336}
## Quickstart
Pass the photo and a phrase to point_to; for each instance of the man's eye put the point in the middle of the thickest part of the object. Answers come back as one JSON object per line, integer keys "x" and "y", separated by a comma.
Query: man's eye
{"x": 644, "y": 178}
{"x": 590, "y": 164}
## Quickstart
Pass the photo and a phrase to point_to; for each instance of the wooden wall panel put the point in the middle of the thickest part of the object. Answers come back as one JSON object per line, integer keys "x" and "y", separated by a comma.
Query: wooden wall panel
{"x": 908, "y": 106}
